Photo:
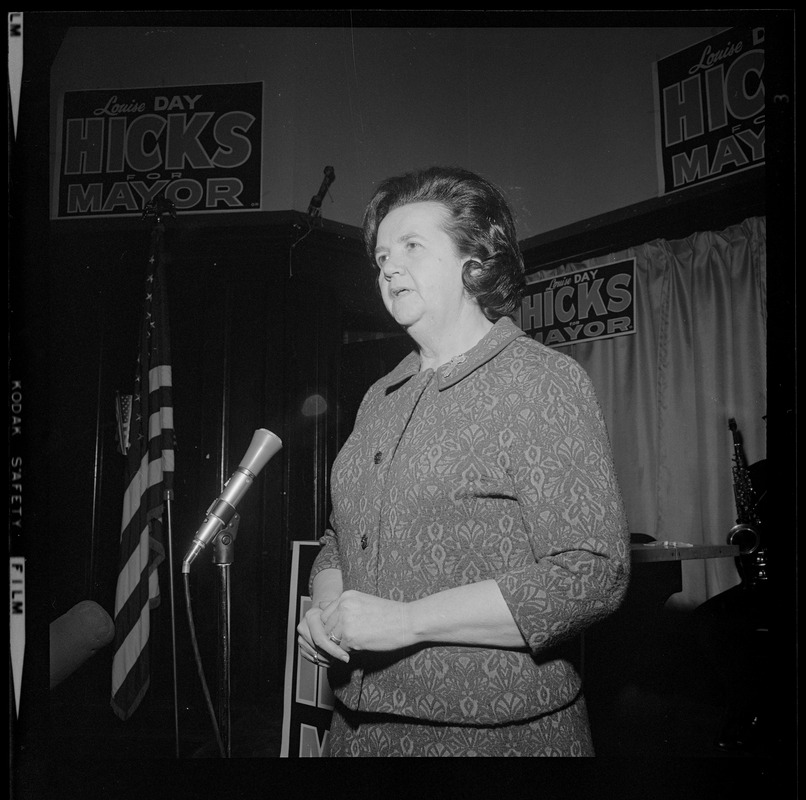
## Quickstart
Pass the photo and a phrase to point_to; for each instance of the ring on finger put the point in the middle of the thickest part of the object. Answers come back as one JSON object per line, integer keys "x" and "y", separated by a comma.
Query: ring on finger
{"x": 334, "y": 639}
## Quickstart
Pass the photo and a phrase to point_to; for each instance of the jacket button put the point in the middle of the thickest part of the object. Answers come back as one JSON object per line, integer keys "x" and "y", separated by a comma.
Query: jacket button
{"x": 378, "y": 457}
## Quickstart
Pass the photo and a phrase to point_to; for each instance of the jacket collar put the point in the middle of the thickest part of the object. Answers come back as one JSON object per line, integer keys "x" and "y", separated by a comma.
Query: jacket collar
{"x": 495, "y": 340}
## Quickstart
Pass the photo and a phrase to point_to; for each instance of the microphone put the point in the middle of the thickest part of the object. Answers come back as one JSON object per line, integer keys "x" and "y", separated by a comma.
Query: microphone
{"x": 315, "y": 206}
{"x": 264, "y": 445}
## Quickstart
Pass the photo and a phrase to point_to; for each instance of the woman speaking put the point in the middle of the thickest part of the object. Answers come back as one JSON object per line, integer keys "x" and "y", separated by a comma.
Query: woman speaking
{"x": 477, "y": 525}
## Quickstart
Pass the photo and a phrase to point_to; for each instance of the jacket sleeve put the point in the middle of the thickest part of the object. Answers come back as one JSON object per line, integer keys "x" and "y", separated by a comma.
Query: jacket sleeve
{"x": 562, "y": 470}
{"x": 328, "y": 556}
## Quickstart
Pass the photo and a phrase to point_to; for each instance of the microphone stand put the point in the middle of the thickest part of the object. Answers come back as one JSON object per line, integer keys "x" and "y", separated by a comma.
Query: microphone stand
{"x": 221, "y": 526}
{"x": 223, "y": 558}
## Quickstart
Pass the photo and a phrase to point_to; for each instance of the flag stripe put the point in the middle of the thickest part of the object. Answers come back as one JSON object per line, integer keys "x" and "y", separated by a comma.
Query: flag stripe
{"x": 132, "y": 574}
{"x": 146, "y": 481}
{"x": 149, "y": 471}
{"x": 159, "y": 421}
{"x": 134, "y": 686}
{"x": 159, "y": 376}
{"x": 134, "y": 642}
{"x": 138, "y": 485}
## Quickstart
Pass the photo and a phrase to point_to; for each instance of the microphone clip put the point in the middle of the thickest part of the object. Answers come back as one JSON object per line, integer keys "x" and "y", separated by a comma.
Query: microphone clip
{"x": 224, "y": 543}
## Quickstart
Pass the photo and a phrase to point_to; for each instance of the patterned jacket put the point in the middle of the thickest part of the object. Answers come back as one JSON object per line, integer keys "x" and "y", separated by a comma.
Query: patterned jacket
{"x": 499, "y": 467}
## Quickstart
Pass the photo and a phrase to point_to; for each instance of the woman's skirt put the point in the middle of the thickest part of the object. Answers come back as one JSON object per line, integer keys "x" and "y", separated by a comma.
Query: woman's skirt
{"x": 565, "y": 732}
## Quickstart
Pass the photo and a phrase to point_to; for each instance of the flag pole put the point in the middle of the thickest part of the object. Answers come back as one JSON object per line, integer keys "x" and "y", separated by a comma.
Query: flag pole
{"x": 146, "y": 430}
{"x": 158, "y": 208}
{"x": 168, "y": 511}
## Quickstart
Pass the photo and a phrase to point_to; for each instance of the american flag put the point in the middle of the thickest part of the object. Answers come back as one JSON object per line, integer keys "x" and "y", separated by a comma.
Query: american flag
{"x": 149, "y": 479}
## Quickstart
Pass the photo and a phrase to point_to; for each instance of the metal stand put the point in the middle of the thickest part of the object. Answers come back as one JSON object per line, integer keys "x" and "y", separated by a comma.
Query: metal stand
{"x": 223, "y": 557}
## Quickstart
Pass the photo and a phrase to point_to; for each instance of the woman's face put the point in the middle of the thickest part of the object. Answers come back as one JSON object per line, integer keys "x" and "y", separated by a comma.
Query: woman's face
{"x": 419, "y": 270}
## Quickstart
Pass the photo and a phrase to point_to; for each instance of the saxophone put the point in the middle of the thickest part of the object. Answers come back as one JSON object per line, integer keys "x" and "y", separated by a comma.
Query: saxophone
{"x": 746, "y": 533}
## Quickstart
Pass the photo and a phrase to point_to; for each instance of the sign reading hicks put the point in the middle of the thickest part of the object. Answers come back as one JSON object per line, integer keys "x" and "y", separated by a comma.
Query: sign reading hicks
{"x": 589, "y": 303}
{"x": 122, "y": 148}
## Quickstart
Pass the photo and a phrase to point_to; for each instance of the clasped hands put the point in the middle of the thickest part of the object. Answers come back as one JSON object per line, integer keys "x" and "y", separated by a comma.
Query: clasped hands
{"x": 352, "y": 622}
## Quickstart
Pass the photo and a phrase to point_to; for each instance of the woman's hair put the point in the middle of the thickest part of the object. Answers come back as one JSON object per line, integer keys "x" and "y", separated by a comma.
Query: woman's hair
{"x": 479, "y": 223}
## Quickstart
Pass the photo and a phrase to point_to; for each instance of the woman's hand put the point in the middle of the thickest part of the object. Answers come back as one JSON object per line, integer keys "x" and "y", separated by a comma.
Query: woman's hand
{"x": 314, "y": 644}
{"x": 361, "y": 621}
{"x": 341, "y": 622}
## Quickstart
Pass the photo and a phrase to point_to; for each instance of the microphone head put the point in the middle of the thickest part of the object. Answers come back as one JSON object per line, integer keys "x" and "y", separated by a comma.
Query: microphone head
{"x": 264, "y": 445}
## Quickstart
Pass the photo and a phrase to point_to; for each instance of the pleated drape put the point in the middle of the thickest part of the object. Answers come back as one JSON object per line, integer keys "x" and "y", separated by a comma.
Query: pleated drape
{"x": 696, "y": 359}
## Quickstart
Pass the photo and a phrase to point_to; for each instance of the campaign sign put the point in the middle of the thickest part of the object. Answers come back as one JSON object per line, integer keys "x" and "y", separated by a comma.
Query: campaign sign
{"x": 199, "y": 146}
{"x": 580, "y": 306}
{"x": 309, "y": 701}
{"x": 710, "y": 103}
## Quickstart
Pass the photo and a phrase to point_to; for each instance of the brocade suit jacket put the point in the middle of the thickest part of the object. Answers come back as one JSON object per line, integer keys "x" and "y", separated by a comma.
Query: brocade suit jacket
{"x": 495, "y": 467}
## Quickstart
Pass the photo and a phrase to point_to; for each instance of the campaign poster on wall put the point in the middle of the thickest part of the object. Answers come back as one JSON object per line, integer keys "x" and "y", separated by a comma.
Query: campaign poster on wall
{"x": 198, "y": 146}
{"x": 581, "y": 305}
{"x": 710, "y": 107}
{"x": 308, "y": 701}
